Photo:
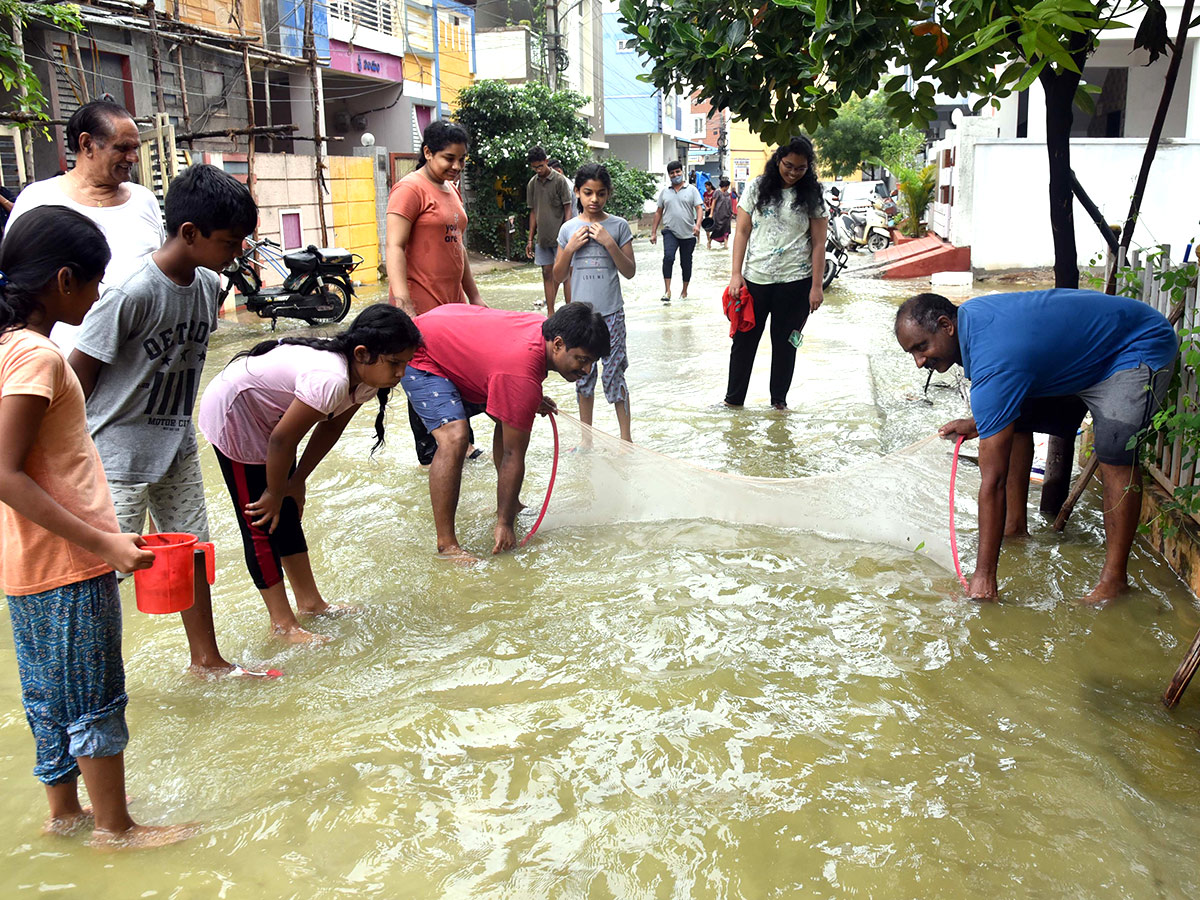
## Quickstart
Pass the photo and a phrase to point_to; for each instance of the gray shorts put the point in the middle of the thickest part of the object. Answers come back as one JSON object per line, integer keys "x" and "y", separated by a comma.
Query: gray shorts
{"x": 175, "y": 502}
{"x": 1121, "y": 406}
{"x": 544, "y": 256}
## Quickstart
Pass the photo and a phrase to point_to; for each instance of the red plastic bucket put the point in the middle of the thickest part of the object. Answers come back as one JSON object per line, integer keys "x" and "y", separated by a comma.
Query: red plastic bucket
{"x": 168, "y": 586}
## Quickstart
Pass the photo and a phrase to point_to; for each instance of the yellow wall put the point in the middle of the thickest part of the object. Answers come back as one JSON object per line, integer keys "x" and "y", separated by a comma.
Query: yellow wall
{"x": 418, "y": 69}
{"x": 744, "y": 145}
{"x": 454, "y": 55}
{"x": 352, "y": 186}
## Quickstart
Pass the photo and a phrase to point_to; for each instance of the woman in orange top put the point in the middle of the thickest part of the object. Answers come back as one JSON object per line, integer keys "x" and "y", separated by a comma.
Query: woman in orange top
{"x": 426, "y": 255}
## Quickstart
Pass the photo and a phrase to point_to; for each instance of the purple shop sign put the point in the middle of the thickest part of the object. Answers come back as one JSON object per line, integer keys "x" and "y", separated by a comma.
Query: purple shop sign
{"x": 371, "y": 63}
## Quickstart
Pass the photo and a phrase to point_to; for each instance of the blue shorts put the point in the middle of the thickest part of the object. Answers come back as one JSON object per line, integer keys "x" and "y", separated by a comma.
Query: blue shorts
{"x": 435, "y": 399}
{"x": 68, "y": 643}
{"x": 544, "y": 256}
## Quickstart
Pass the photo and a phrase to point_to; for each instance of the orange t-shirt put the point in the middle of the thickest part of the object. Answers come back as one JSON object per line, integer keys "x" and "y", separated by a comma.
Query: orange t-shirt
{"x": 435, "y": 250}
{"x": 63, "y": 461}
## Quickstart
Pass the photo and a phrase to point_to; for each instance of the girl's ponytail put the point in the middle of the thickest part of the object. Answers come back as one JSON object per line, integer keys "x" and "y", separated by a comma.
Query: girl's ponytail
{"x": 381, "y": 328}
{"x": 35, "y": 248}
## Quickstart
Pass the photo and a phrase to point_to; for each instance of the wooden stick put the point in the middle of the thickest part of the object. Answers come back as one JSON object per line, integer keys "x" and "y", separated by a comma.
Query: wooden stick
{"x": 1183, "y": 674}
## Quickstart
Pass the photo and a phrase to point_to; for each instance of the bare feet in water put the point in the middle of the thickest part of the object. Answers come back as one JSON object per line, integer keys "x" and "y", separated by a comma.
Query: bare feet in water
{"x": 298, "y": 635}
{"x": 457, "y": 554}
{"x": 1105, "y": 592}
{"x": 141, "y": 837}
{"x": 65, "y": 826}
{"x": 329, "y": 610}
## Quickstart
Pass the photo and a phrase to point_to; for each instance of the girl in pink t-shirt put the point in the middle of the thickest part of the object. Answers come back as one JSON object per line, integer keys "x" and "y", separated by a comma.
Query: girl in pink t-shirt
{"x": 256, "y": 412}
{"x": 59, "y": 541}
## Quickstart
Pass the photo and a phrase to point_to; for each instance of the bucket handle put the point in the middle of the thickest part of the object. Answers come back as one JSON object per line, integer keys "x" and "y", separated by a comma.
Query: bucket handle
{"x": 210, "y": 559}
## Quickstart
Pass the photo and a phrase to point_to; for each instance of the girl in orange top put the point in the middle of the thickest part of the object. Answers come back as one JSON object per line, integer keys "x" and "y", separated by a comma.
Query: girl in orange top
{"x": 59, "y": 541}
{"x": 426, "y": 252}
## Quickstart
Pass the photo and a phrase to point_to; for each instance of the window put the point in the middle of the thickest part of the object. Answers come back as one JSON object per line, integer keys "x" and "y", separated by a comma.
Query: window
{"x": 699, "y": 125}
{"x": 289, "y": 229}
{"x": 626, "y": 45}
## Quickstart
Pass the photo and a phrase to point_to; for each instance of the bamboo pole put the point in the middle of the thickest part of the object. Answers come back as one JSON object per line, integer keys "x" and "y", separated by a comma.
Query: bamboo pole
{"x": 160, "y": 102}
{"x": 77, "y": 59}
{"x": 18, "y": 34}
{"x": 310, "y": 52}
{"x": 240, "y": 13}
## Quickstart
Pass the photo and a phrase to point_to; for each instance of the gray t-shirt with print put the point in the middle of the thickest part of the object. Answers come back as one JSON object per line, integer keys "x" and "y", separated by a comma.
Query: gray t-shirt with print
{"x": 594, "y": 275}
{"x": 151, "y": 334}
{"x": 780, "y": 245}
{"x": 679, "y": 210}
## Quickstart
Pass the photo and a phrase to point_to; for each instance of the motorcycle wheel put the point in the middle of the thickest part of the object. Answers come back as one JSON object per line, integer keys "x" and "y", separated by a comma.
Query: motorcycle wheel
{"x": 333, "y": 304}
{"x": 831, "y": 272}
{"x": 877, "y": 242}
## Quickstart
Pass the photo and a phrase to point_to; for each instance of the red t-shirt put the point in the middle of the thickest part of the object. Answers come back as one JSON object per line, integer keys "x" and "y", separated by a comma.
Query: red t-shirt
{"x": 493, "y": 356}
{"x": 434, "y": 257}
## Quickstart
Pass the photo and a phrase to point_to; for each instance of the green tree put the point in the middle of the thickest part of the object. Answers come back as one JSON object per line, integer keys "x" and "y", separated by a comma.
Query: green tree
{"x": 631, "y": 188}
{"x": 15, "y": 71}
{"x": 504, "y": 122}
{"x": 786, "y": 65}
{"x": 855, "y": 137}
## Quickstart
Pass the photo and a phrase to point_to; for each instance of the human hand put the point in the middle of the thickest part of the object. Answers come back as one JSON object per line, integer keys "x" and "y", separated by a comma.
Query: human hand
{"x": 266, "y": 508}
{"x": 124, "y": 552}
{"x": 547, "y": 406}
{"x": 529, "y": 250}
{"x": 654, "y": 237}
{"x": 983, "y": 587}
{"x": 580, "y": 237}
{"x": 816, "y": 297}
{"x": 601, "y": 236}
{"x": 296, "y": 490}
{"x": 966, "y": 427}
{"x": 735, "y": 284}
{"x": 696, "y": 230}
{"x": 506, "y": 538}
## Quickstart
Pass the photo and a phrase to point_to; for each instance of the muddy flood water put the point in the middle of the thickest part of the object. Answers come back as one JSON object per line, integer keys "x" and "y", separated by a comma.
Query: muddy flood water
{"x": 669, "y": 709}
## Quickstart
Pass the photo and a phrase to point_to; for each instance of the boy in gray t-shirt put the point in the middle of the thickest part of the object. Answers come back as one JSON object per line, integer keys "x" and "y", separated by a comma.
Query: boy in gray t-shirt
{"x": 139, "y": 355}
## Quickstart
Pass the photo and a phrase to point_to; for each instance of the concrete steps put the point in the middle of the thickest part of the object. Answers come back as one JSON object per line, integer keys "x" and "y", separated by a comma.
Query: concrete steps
{"x": 923, "y": 257}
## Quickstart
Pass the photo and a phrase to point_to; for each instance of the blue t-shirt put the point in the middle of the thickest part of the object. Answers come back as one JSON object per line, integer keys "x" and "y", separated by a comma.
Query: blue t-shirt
{"x": 1051, "y": 344}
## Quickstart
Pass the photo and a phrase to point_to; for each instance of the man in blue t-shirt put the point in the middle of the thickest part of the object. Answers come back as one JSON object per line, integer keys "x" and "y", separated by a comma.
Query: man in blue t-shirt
{"x": 1037, "y": 361}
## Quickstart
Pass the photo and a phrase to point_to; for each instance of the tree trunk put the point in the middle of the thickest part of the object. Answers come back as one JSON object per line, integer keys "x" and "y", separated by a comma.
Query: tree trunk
{"x": 1060, "y": 99}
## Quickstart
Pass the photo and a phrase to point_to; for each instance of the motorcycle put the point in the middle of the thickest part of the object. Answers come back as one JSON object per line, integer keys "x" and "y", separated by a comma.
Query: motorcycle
{"x": 870, "y": 228}
{"x": 316, "y": 288}
{"x": 836, "y": 257}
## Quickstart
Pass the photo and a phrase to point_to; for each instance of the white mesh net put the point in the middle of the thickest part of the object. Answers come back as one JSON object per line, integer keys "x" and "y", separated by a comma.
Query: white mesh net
{"x": 900, "y": 500}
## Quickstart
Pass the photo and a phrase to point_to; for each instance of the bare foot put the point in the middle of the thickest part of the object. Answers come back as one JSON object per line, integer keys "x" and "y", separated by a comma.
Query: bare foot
{"x": 141, "y": 837}
{"x": 239, "y": 672}
{"x": 65, "y": 826}
{"x": 457, "y": 554}
{"x": 732, "y": 405}
{"x": 1106, "y": 591}
{"x": 210, "y": 672}
{"x": 298, "y": 635}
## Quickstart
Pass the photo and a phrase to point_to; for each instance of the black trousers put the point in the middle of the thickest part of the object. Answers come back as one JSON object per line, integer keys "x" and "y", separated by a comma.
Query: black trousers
{"x": 686, "y": 248}
{"x": 786, "y": 304}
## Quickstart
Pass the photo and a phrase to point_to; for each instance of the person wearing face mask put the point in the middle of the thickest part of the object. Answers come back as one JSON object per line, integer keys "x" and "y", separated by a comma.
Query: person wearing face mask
{"x": 680, "y": 208}
{"x": 104, "y": 139}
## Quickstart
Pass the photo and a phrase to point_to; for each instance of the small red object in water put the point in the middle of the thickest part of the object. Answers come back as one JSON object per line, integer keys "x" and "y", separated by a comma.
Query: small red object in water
{"x": 953, "y": 537}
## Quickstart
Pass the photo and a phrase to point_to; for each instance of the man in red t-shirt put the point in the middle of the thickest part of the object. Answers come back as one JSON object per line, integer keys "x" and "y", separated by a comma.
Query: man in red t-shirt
{"x": 474, "y": 360}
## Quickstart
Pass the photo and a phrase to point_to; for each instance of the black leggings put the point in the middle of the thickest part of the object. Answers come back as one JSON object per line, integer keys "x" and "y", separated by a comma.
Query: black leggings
{"x": 685, "y": 247}
{"x": 787, "y": 305}
{"x": 263, "y": 549}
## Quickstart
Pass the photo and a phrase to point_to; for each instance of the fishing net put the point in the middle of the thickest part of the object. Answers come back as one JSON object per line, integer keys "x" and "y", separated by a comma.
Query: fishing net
{"x": 900, "y": 500}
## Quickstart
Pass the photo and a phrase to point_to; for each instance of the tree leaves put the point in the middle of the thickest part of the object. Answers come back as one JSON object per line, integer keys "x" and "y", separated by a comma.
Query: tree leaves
{"x": 1152, "y": 33}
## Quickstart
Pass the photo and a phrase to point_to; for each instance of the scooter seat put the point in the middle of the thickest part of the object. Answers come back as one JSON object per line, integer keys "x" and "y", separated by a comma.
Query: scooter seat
{"x": 305, "y": 261}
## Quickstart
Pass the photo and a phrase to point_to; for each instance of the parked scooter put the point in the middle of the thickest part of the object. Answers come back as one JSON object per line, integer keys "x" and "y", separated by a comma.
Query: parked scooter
{"x": 868, "y": 228}
{"x": 836, "y": 257}
{"x": 317, "y": 287}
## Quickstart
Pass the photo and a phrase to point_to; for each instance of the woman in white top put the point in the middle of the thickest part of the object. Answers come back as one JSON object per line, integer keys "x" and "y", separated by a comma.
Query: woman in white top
{"x": 779, "y": 255}
{"x": 104, "y": 139}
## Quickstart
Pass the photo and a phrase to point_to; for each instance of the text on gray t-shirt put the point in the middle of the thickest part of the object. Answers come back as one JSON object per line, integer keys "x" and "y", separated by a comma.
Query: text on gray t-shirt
{"x": 151, "y": 334}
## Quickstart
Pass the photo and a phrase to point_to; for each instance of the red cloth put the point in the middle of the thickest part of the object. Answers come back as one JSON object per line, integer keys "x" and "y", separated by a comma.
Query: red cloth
{"x": 740, "y": 313}
{"x": 493, "y": 356}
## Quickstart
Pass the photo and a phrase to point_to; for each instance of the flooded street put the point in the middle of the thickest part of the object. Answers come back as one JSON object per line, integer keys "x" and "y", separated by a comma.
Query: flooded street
{"x": 658, "y": 709}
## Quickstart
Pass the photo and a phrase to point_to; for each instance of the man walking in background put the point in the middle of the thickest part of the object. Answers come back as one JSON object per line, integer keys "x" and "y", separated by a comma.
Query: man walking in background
{"x": 548, "y": 196}
{"x": 679, "y": 212}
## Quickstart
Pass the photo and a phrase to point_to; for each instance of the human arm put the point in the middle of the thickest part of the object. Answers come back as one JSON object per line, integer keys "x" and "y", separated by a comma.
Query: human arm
{"x": 5, "y": 203}
{"x": 654, "y": 225}
{"x": 568, "y": 211}
{"x": 562, "y": 260}
{"x": 699, "y": 216}
{"x": 470, "y": 288}
{"x": 87, "y": 370}
{"x": 324, "y": 436}
{"x": 20, "y": 418}
{"x": 510, "y": 476}
{"x": 741, "y": 238}
{"x": 993, "y": 477}
{"x": 817, "y": 231}
{"x": 532, "y": 232}
{"x": 297, "y": 420}
{"x": 399, "y": 231}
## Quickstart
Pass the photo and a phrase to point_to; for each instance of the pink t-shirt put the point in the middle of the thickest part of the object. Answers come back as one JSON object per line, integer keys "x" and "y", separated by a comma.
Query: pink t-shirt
{"x": 243, "y": 404}
{"x": 492, "y": 356}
